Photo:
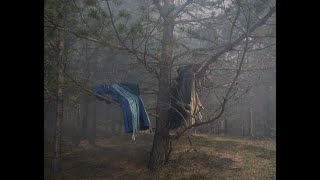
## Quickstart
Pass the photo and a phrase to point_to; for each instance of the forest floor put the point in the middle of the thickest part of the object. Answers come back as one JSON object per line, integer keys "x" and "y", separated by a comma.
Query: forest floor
{"x": 216, "y": 157}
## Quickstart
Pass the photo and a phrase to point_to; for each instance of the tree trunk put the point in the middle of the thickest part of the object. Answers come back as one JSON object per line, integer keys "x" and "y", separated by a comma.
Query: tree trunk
{"x": 59, "y": 112}
{"x": 243, "y": 127}
{"x": 87, "y": 101}
{"x": 92, "y": 133}
{"x": 84, "y": 126}
{"x": 161, "y": 148}
{"x": 243, "y": 118}
{"x": 77, "y": 124}
{"x": 226, "y": 126}
{"x": 111, "y": 118}
{"x": 161, "y": 142}
{"x": 267, "y": 120}
{"x": 113, "y": 124}
{"x": 251, "y": 122}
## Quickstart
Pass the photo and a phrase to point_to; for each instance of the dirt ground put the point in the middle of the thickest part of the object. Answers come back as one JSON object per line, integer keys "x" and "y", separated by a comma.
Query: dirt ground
{"x": 214, "y": 157}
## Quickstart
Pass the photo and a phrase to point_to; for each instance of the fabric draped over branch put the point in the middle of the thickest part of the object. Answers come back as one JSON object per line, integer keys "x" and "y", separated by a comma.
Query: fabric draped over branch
{"x": 186, "y": 105}
{"x": 135, "y": 116}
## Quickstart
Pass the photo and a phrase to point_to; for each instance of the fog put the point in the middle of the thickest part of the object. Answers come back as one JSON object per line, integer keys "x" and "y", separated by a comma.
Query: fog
{"x": 145, "y": 42}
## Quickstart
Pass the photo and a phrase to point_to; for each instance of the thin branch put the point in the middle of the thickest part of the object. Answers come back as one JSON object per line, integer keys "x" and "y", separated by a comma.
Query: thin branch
{"x": 82, "y": 86}
{"x": 233, "y": 24}
{"x": 236, "y": 42}
{"x": 182, "y": 8}
{"x": 103, "y": 43}
{"x": 225, "y": 99}
{"x": 132, "y": 51}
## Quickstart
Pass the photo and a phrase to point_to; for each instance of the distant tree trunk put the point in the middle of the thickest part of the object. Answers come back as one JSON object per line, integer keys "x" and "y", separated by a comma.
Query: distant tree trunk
{"x": 243, "y": 127}
{"x": 223, "y": 126}
{"x": 218, "y": 125}
{"x": 94, "y": 122}
{"x": 92, "y": 132}
{"x": 243, "y": 117}
{"x": 226, "y": 126}
{"x": 110, "y": 120}
{"x": 60, "y": 101}
{"x": 77, "y": 123}
{"x": 251, "y": 122}
{"x": 113, "y": 124}
{"x": 85, "y": 121}
{"x": 84, "y": 126}
{"x": 161, "y": 148}
{"x": 267, "y": 118}
{"x": 240, "y": 111}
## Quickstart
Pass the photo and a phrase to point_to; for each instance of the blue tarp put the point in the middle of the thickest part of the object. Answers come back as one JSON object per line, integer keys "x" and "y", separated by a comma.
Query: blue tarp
{"x": 107, "y": 89}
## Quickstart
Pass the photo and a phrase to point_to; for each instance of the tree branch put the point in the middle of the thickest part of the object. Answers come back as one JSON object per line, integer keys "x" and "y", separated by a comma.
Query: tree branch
{"x": 236, "y": 42}
{"x": 182, "y": 8}
{"x": 133, "y": 50}
{"x": 225, "y": 99}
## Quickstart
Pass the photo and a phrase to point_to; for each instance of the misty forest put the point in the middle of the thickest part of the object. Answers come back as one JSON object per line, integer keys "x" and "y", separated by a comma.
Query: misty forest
{"x": 159, "y": 89}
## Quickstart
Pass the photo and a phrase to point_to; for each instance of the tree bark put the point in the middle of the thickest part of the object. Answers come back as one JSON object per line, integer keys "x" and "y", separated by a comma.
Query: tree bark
{"x": 59, "y": 112}
{"x": 161, "y": 148}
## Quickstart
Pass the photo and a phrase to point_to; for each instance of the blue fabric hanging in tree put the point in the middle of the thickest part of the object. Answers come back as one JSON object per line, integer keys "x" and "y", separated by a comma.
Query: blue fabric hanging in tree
{"x": 135, "y": 116}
